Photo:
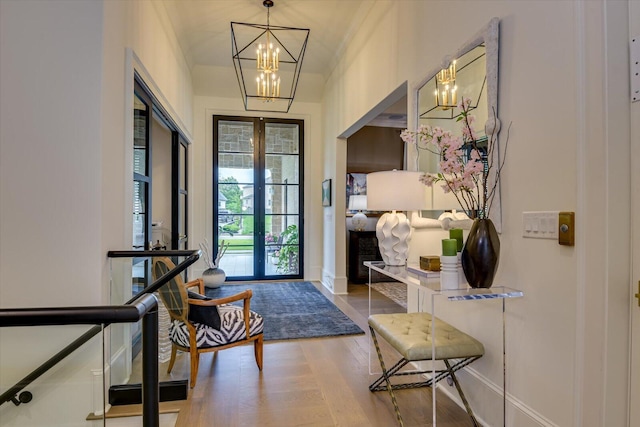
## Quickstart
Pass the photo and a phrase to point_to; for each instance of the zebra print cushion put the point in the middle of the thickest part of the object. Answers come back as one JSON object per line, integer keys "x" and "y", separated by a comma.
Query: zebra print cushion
{"x": 232, "y": 328}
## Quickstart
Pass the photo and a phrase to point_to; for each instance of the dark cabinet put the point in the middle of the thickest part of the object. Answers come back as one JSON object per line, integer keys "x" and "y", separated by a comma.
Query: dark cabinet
{"x": 363, "y": 246}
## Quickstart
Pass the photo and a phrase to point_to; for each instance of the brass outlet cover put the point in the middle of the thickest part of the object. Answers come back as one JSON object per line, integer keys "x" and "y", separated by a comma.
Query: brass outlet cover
{"x": 566, "y": 228}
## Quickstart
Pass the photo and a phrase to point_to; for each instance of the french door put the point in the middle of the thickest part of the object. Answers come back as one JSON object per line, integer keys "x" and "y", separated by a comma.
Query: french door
{"x": 258, "y": 197}
{"x": 160, "y": 155}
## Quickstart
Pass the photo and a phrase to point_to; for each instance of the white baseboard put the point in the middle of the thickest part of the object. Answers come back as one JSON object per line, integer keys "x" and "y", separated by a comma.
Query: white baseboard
{"x": 120, "y": 366}
{"x": 475, "y": 384}
{"x": 337, "y": 285}
{"x": 327, "y": 280}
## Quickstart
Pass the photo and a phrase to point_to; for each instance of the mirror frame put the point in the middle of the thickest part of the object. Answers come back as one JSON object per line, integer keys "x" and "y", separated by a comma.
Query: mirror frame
{"x": 490, "y": 36}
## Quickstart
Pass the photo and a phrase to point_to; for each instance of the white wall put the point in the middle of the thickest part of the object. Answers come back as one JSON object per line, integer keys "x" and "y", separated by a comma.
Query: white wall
{"x": 50, "y": 206}
{"x": 566, "y": 340}
{"x": 201, "y": 170}
{"x": 65, "y": 184}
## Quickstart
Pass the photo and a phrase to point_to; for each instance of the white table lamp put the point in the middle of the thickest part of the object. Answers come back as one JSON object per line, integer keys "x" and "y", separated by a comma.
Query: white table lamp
{"x": 394, "y": 191}
{"x": 358, "y": 203}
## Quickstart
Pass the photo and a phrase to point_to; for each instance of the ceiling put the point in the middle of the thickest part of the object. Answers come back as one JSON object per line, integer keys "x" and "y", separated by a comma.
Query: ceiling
{"x": 203, "y": 29}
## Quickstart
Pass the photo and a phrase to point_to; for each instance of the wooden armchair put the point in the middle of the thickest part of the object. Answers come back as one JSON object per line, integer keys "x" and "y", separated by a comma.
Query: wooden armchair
{"x": 224, "y": 326}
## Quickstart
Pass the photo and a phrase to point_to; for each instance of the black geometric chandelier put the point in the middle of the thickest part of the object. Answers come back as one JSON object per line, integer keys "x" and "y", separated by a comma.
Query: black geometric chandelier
{"x": 267, "y": 60}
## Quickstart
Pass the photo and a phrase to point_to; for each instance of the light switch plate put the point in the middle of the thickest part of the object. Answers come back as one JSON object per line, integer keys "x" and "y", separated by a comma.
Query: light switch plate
{"x": 540, "y": 225}
{"x": 566, "y": 228}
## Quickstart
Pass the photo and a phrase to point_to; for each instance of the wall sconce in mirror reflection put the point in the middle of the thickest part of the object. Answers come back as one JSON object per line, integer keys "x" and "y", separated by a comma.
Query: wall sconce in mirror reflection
{"x": 358, "y": 203}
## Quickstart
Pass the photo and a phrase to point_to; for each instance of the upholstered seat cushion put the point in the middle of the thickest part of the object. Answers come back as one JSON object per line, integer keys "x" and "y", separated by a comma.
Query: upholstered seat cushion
{"x": 232, "y": 328}
{"x": 410, "y": 335}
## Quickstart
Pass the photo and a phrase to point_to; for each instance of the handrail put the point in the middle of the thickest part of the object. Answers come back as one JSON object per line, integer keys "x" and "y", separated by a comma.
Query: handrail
{"x": 192, "y": 256}
{"x": 65, "y": 316}
{"x": 132, "y": 311}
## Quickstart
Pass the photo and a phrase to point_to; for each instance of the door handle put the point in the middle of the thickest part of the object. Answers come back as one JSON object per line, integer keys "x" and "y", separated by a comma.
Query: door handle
{"x": 638, "y": 294}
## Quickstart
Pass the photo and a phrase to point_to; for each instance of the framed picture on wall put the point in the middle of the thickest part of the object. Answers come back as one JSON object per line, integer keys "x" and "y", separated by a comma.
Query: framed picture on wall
{"x": 326, "y": 192}
{"x": 356, "y": 185}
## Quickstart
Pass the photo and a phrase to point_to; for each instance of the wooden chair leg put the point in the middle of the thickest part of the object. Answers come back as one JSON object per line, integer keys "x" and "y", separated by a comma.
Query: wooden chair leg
{"x": 174, "y": 351}
{"x": 257, "y": 349}
{"x": 195, "y": 360}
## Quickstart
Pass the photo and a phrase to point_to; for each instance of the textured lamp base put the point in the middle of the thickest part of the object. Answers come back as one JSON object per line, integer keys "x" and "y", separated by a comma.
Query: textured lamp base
{"x": 393, "y": 232}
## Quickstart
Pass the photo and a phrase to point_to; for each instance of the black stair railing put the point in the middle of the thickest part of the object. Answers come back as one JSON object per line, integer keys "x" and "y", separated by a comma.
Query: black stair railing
{"x": 141, "y": 306}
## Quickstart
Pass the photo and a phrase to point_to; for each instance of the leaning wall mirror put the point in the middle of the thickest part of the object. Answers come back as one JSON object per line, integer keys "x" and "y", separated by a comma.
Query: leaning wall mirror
{"x": 470, "y": 73}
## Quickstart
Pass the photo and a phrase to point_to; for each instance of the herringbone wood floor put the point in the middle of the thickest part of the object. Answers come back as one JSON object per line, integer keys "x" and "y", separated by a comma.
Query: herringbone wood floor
{"x": 308, "y": 382}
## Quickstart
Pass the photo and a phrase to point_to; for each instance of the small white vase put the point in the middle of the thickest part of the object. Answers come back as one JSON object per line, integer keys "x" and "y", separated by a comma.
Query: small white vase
{"x": 213, "y": 277}
{"x": 449, "y": 278}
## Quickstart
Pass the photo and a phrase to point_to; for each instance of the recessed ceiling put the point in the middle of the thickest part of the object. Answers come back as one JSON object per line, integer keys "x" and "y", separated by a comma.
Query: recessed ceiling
{"x": 203, "y": 27}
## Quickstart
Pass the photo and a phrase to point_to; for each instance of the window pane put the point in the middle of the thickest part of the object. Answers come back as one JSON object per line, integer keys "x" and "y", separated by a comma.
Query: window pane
{"x": 182, "y": 221}
{"x": 238, "y": 234}
{"x": 236, "y": 166}
{"x": 182, "y": 167}
{"x": 139, "y": 214}
{"x": 281, "y": 169}
{"x": 235, "y": 199}
{"x": 235, "y": 136}
{"x": 282, "y": 138}
{"x": 282, "y": 244}
{"x": 140, "y": 117}
{"x": 275, "y": 225}
{"x": 281, "y": 199}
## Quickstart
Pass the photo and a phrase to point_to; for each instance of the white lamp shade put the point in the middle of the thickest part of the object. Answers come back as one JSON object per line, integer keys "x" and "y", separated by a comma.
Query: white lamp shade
{"x": 358, "y": 202}
{"x": 395, "y": 190}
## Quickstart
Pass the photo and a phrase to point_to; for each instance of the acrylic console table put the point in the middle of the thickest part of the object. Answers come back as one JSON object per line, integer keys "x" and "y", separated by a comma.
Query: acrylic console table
{"x": 426, "y": 285}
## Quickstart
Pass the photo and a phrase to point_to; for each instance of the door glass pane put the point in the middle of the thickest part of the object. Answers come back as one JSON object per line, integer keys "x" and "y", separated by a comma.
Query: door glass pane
{"x": 140, "y": 117}
{"x": 235, "y": 136}
{"x": 282, "y": 138}
{"x": 282, "y": 168}
{"x": 282, "y": 176}
{"x": 139, "y": 214}
{"x": 182, "y": 167}
{"x": 236, "y": 166}
{"x": 282, "y": 245}
{"x": 238, "y": 234}
{"x": 182, "y": 221}
{"x": 236, "y": 202}
{"x": 282, "y": 199}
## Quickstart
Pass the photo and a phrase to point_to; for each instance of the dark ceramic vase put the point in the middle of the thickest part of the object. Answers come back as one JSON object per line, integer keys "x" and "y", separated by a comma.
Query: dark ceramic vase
{"x": 481, "y": 253}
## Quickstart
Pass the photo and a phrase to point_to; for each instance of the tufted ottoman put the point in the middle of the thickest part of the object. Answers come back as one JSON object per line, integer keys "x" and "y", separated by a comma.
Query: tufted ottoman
{"x": 410, "y": 334}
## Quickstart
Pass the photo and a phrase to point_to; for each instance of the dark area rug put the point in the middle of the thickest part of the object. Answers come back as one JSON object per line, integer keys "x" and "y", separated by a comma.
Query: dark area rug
{"x": 293, "y": 310}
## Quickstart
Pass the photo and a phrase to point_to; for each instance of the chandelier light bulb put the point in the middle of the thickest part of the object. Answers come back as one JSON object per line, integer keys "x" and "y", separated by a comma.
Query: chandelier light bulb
{"x": 448, "y": 97}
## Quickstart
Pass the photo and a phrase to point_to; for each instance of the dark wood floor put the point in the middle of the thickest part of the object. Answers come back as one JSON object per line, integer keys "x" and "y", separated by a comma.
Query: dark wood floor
{"x": 308, "y": 382}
